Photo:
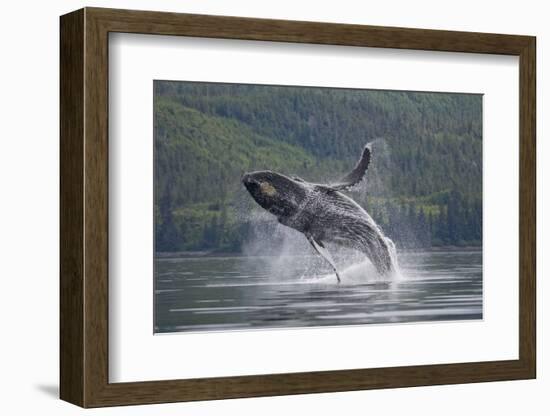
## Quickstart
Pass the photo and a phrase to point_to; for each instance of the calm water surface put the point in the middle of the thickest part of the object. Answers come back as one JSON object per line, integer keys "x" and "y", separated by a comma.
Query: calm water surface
{"x": 228, "y": 293}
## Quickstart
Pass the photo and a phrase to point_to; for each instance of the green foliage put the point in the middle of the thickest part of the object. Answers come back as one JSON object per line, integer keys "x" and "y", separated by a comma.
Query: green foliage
{"x": 423, "y": 188}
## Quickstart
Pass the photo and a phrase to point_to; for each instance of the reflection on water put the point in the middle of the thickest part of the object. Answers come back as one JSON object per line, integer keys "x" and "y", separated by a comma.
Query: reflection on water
{"x": 221, "y": 293}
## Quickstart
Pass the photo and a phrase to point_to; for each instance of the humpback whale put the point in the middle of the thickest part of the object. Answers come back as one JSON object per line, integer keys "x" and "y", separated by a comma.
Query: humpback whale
{"x": 323, "y": 214}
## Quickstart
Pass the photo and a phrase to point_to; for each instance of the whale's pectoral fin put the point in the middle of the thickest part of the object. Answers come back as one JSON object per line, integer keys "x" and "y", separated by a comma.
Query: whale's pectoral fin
{"x": 358, "y": 172}
{"x": 322, "y": 250}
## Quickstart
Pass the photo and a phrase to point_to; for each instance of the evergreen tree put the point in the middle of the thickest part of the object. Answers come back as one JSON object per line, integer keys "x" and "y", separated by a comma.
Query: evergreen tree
{"x": 423, "y": 186}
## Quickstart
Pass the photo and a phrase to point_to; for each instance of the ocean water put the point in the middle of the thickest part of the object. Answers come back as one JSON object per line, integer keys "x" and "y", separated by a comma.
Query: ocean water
{"x": 220, "y": 293}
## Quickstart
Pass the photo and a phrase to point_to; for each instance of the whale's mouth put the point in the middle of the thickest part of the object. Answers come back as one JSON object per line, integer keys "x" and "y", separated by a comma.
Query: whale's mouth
{"x": 250, "y": 183}
{"x": 246, "y": 178}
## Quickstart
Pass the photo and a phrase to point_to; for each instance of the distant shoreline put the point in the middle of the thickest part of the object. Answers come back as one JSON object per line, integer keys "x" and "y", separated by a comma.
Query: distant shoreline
{"x": 213, "y": 253}
{"x": 444, "y": 248}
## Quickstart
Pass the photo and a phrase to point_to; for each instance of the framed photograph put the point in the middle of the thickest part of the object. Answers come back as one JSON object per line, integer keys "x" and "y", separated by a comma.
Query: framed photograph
{"x": 255, "y": 207}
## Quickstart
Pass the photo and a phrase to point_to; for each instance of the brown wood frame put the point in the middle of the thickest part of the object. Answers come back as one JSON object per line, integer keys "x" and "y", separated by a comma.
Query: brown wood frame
{"x": 84, "y": 208}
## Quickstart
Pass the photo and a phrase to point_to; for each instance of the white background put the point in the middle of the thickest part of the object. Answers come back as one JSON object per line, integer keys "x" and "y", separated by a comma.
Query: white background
{"x": 29, "y": 210}
{"x": 135, "y": 60}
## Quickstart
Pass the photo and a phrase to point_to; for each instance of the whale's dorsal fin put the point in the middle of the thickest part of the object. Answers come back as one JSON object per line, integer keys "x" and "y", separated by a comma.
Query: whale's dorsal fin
{"x": 358, "y": 172}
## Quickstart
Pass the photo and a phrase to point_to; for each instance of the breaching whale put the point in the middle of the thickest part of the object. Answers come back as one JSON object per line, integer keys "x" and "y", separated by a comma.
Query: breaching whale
{"x": 323, "y": 214}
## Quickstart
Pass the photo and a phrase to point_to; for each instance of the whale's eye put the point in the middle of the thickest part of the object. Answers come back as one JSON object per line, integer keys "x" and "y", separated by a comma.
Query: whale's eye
{"x": 267, "y": 189}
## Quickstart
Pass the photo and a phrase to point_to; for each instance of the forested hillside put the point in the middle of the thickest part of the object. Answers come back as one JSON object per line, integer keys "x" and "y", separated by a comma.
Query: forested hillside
{"x": 423, "y": 187}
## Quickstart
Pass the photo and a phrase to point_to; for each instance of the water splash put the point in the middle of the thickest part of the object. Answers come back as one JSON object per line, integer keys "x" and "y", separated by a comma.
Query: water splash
{"x": 283, "y": 250}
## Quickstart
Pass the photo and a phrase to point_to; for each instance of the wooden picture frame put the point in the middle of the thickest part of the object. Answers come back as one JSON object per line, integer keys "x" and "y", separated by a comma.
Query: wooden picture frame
{"x": 84, "y": 207}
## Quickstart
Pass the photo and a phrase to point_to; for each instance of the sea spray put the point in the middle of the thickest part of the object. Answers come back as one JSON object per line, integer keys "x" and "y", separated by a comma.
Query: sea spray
{"x": 283, "y": 251}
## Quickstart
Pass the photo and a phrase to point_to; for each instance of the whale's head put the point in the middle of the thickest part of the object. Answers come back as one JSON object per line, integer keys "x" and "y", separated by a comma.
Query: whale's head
{"x": 280, "y": 195}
